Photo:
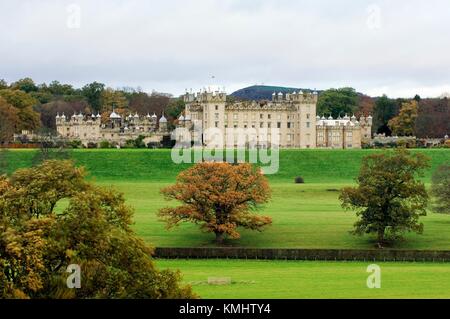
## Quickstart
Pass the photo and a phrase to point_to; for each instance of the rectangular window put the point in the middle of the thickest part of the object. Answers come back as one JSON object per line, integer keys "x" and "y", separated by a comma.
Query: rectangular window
{"x": 261, "y": 125}
{"x": 235, "y": 116}
{"x": 269, "y": 125}
{"x": 269, "y": 116}
{"x": 217, "y": 107}
{"x": 217, "y": 124}
{"x": 216, "y": 116}
{"x": 308, "y": 116}
{"x": 278, "y": 124}
{"x": 289, "y": 124}
{"x": 308, "y": 124}
{"x": 261, "y": 116}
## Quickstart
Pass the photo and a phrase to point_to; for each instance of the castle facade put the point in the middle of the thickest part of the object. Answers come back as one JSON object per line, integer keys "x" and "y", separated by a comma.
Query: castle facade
{"x": 292, "y": 115}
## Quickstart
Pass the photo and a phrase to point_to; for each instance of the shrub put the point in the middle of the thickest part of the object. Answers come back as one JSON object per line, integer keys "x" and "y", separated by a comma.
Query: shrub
{"x": 75, "y": 144}
{"x": 105, "y": 144}
{"x": 299, "y": 180}
{"x": 92, "y": 145}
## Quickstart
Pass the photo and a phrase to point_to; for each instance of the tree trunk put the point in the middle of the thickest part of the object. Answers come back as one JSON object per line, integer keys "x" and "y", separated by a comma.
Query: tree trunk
{"x": 220, "y": 236}
{"x": 380, "y": 237}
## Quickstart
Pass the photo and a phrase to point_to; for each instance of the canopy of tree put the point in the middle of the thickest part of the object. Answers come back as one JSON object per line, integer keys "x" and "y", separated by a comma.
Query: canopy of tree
{"x": 440, "y": 188}
{"x": 220, "y": 197}
{"x": 37, "y": 243}
{"x": 404, "y": 123}
{"x": 337, "y": 102}
{"x": 388, "y": 198}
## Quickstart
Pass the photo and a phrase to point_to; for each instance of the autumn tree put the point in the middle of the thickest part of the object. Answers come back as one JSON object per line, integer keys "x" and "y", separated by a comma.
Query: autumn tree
{"x": 29, "y": 119}
{"x": 9, "y": 120}
{"x": 440, "y": 189}
{"x": 405, "y": 122}
{"x": 220, "y": 197}
{"x": 388, "y": 197}
{"x": 113, "y": 99}
{"x": 93, "y": 230}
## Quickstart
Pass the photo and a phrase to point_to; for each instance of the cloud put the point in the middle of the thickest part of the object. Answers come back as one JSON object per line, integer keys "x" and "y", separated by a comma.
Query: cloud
{"x": 396, "y": 47}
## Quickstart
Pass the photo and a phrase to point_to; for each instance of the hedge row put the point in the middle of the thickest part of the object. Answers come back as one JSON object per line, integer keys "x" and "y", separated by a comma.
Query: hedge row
{"x": 304, "y": 254}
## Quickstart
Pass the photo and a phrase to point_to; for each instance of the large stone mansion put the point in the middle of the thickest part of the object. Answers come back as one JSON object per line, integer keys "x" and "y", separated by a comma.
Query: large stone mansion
{"x": 294, "y": 115}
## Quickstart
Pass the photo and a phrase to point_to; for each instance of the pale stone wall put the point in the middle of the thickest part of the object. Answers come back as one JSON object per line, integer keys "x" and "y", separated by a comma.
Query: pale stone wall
{"x": 293, "y": 114}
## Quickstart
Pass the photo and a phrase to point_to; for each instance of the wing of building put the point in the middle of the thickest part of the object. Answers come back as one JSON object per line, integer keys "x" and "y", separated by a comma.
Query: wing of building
{"x": 293, "y": 115}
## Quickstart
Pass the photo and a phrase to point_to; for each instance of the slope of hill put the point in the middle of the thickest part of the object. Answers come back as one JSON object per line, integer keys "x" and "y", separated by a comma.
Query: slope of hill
{"x": 263, "y": 92}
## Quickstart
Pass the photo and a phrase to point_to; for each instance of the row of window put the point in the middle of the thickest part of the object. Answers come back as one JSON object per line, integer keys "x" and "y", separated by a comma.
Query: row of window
{"x": 289, "y": 125}
{"x": 253, "y": 117}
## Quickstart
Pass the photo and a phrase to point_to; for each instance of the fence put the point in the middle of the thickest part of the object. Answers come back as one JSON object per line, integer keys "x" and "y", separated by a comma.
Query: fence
{"x": 304, "y": 254}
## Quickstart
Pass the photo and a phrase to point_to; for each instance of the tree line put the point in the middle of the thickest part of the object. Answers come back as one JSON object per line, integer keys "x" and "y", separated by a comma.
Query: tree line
{"x": 402, "y": 117}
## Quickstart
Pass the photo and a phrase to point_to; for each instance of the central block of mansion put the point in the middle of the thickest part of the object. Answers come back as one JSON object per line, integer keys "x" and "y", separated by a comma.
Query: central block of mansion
{"x": 294, "y": 115}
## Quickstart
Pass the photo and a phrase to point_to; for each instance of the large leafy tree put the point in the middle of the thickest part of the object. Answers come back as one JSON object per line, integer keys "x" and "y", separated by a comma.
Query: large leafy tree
{"x": 29, "y": 119}
{"x": 337, "y": 102}
{"x": 8, "y": 121}
{"x": 93, "y": 93}
{"x": 220, "y": 197}
{"x": 384, "y": 110}
{"x": 388, "y": 197}
{"x": 38, "y": 242}
{"x": 404, "y": 123}
{"x": 440, "y": 189}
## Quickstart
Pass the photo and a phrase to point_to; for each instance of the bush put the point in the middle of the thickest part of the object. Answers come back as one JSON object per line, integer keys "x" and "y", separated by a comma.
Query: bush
{"x": 105, "y": 144}
{"x": 75, "y": 144}
{"x": 299, "y": 180}
{"x": 92, "y": 145}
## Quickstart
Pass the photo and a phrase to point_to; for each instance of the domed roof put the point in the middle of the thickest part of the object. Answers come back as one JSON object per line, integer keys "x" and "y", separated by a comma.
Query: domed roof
{"x": 114, "y": 115}
{"x": 181, "y": 118}
{"x": 148, "y": 116}
{"x": 63, "y": 116}
{"x": 80, "y": 115}
{"x": 154, "y": 116}
{"x": 57, "y": 115}
{"x": 162, "y": 119}
{"x": 136, "y": 116}
{"x": 280, "y": 94}
{"x": 98, "y": 115}
{"x": 330, "y": 117}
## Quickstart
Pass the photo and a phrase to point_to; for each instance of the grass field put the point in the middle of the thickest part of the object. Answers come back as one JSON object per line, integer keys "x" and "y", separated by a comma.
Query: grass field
{"x": 305, "y": 279}
{"x": 304, "y": 216}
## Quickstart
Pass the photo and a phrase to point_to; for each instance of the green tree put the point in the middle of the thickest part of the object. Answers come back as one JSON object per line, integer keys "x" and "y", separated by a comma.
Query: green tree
{"x": 93, "y": 93}
{"x": 176, "y": 107}
{"x": 93, "y": 231}
{"x": 27, "y": 85}
{"x": 385, "y": 109}
{"x": 404, "y": 123}
{"x": 3, "y": 84}
{"x": 337, "y": 102}
{"x": 388, "y": 197}
{"x": 440, "y": 189}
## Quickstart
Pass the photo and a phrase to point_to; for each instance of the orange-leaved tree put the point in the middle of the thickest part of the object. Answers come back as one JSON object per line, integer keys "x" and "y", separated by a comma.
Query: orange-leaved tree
{"x": 220, "y": 197}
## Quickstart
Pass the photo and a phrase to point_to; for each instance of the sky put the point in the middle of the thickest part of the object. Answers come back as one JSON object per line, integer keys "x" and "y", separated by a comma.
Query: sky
{"x": 399, "y": 48}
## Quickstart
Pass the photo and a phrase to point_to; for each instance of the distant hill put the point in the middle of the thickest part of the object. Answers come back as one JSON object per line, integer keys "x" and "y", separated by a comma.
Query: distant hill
{"x": 263, "y": 92}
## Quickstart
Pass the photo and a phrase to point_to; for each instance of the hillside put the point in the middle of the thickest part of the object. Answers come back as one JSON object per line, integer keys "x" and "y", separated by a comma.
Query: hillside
{"x": 263, "y": 92}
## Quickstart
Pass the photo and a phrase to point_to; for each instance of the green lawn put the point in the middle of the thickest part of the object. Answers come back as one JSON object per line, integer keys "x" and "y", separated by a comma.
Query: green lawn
{"x": 305, "y": 279}
{"x": 304, "y": 216}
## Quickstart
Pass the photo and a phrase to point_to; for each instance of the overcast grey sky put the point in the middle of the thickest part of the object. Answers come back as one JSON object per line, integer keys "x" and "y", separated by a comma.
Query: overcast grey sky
{"x": 395, "y": 47}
